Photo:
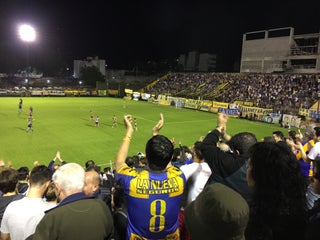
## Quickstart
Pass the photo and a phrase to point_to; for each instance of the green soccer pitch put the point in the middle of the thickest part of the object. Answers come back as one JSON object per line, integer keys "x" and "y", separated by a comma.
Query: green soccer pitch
{"x": 63, "y": 124}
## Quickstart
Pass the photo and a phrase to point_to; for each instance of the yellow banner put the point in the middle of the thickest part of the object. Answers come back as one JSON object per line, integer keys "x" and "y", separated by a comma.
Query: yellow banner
{"x": 164, "y": 102}
{"x": 220, "y": 105}
{"x": 254, "y": 110}
{"x": 113, "y": 91}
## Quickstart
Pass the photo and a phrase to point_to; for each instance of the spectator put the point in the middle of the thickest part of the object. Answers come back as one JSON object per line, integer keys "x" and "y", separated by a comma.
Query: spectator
{"x": 89, "y": 163}
{"x": 53, "y": 165}
{"x": 2, "y": 165}
{"x": 217, "y": 213}
{"x": 196, "y": 173}
{"x": 106, "y": 172}
{"x": 278, "y": 136}
{"x": 132, "y": 161}
{"x": 8, "y": 187}
{"x": 308, "y": 158}
{"x": 315, "y": 150}
{"x": 96, "y": 186}
{"x": 313, "y": 226}
{"x": 228, "y": 168}
{"x": 50, "y": 195}
{"x": 176, "y": 160}
{"x": 278, "y": 207}
{"x": 185, "y": 154}
{"x": 153, "y": 196}
{"x": 107, "y": 187}
{"x": 36, "y": 164}
{"x": 307, "y": 144}
{"x": 120, "y": 213}
{"x": 77, "y": 216}
{"x": 22, "y": 216}
{"x": 142, "y": 164}
{"x": 92, "y": 181}
{"x": 23, "y": 184}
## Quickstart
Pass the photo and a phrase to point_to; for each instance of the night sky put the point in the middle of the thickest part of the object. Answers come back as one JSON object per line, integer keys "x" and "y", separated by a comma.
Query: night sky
{"x": 126, "y": 32}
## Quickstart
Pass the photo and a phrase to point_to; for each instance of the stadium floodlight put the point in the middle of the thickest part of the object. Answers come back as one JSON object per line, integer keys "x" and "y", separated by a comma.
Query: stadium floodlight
{"x": 27, "y": 33}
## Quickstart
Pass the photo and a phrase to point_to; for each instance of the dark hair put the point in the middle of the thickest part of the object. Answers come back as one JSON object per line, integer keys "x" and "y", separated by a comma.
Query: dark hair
{"x": 186, "y": 149}
{"x": 241, "y": 142}
{"x": 317, "y": 131}
{"x": 93, "y": 168}
{"x": 292, "y": 134}
{"x": 159, "y": 151}
{"x": 8, "y": 180}
{"x": 118, "y": 196}
{"x": 50, "y": 193}
{"x": 132, "y": 161}
{"x": 23, "y": 173}
{"x": 176, "y": 154}
{"x": 279, "y": 187}
{"x": 316, "y": 174}
{"x": 279, "y": 134}
{"x": 197, "y": 149}
{"x": 268, "y": 139}
{"x": 40, "y": 175}
{"x": 89, "y": 163}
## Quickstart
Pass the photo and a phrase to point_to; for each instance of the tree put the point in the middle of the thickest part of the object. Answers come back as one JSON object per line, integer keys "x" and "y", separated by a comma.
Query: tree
{"x": 91, "y": 75}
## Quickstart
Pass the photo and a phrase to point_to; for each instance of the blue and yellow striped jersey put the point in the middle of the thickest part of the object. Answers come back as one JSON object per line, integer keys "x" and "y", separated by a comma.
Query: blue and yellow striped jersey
{"x": 153, "y": 202}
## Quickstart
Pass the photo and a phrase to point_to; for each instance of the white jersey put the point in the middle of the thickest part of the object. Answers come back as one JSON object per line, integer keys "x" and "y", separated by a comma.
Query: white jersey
{"x": 314, "y": 152}
{"x": 200, "y": 173}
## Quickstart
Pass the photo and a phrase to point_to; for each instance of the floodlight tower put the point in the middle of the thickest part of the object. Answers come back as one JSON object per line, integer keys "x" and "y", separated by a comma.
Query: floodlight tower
{"x": 27, "y": 34}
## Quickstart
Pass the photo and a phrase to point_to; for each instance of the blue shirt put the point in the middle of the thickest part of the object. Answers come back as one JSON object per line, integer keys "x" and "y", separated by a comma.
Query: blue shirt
{"x": 153, "y": 202}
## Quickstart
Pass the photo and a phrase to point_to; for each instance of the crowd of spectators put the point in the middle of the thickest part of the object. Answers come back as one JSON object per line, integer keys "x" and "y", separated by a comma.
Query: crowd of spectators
{"x": 229, "y": 187}
{"x": 282, "y": 92}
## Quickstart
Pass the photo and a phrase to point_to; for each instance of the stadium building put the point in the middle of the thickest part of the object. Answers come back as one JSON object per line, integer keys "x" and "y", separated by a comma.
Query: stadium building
{"x": 198, "y": 62}
{"x": 89, "y": 62}
{"x": 280, "y": 51}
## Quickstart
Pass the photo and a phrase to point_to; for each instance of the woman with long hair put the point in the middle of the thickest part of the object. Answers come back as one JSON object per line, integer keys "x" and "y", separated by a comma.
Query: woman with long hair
{"x": 278, "y": 207}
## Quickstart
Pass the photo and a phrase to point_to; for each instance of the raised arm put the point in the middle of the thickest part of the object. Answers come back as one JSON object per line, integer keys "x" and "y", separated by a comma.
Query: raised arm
{"x": 124, "y": 147}
{"x": 213, "y": 137}
{"x": 158, "y": 126}
{"x": 222, "y": 122}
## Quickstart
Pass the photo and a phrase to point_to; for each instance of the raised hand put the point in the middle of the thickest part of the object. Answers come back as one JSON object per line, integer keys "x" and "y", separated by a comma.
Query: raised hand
{"x": 158, "y": 126}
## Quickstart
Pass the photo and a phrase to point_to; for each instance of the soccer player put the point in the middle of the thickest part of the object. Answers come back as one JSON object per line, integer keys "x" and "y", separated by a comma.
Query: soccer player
{"x": 29, "y": 126}
{"x": 91, "y": 116}
{"x": 135, "y": 124}
{"x": 97, "y": 122}
{"x": 114, "y": 119}
{"x": 20, "y": 105}
{"x": 153, "y": 195}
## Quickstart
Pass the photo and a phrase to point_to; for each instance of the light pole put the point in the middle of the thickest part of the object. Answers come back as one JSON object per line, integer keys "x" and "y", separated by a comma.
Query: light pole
{"x": 28, "y": 35}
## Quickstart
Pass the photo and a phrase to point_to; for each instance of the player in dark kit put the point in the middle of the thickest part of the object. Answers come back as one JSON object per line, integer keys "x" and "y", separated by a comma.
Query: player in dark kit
{"x": 97, "y": 122}
{"x": 29, "y": 127}
{"x": 20, "y": 105}
{"x": 114, "y": 119}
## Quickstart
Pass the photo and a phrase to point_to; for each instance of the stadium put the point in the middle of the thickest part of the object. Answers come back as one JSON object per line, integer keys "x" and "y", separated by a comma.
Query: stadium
{"x": 276, "y": 90}
{"x": 270, "y": 86}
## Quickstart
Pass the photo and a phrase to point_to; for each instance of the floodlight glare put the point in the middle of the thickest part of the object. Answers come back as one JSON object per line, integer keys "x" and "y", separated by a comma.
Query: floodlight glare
{"x": 27, "y": 33}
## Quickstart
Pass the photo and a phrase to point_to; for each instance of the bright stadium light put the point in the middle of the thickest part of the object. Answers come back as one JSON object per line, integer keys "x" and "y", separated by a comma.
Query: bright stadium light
{"x": 27, "y": 33}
